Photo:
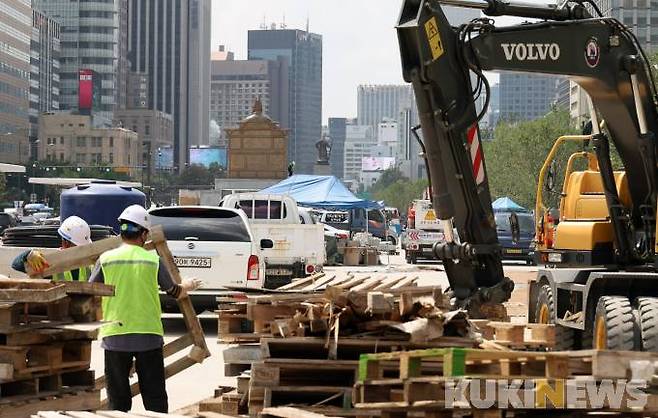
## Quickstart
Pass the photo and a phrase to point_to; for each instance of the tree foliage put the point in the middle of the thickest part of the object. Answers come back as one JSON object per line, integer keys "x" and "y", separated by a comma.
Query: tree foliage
{"x": 515, "y": 157}
{"x": 396, "y": 190}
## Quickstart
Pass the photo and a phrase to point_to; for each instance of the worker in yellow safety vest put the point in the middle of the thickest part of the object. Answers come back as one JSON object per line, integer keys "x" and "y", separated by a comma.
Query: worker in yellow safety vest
{"x": 134, "y": 329}
{"x": 73, "y": 231}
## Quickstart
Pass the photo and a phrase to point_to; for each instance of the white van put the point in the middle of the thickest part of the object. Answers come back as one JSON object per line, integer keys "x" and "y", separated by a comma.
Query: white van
{"x": 215, "y": 245}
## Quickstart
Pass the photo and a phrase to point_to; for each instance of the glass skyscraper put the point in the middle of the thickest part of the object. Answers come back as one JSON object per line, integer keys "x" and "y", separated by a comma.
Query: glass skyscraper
{"x": 303, "y": 52}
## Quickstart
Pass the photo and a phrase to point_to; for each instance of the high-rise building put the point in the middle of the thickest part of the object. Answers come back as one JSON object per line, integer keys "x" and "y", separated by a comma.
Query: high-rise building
{"x": 15, "y": 36}
{"x": 198, "y": 56}
{"x": 90, "y": 41}
{"x": 525, "y": 96}
{"x": 44, "y": 72}
{"x": 302, "y": 51}
{"x": 123, "y": 64}
{"x": 637, "y": 15}
{"x": 359, "y": 140}
{"x": 166, "y": 42}
{"x": 235, "y": 85}
{"x": 377, "y": 102}
{"x": 337, "y": 131}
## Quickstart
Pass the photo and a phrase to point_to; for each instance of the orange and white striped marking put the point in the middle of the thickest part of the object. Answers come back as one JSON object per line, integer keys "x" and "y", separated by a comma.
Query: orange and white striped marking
{"x": 475, "y": 148}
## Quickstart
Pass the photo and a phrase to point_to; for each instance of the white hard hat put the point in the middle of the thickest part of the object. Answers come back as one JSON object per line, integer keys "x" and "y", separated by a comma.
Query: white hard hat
{"x": 74, "y": 229}
{"x": 137, "y": 215}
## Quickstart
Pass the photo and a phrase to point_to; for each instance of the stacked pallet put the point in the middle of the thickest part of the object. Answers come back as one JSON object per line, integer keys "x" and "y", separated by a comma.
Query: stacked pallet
{"x": 424, "y": 379}
{"x": 301, "y": 344}
{"x": 46, "y": 330}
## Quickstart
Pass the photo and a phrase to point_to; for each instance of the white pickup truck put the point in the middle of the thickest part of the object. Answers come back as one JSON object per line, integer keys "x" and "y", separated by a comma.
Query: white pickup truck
{"x": 419, "y": 238}
{"x": 298, "y": 247}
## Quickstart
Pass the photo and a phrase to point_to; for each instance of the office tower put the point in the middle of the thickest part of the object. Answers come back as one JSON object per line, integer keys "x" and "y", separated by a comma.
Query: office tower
{"x": 302, "y": 51}
{"x": 377, "y": 102}
{"x": 525, "y": 96}
{"x": 165, "y": 43}
{"x": 235, "y": 84}
{"x": 15, "y": 35}
{"x": 44, "y": 72}
{"x": 89, "y": 41}
{"x": 337, "y": 131}
{"x": 636, "y": 15}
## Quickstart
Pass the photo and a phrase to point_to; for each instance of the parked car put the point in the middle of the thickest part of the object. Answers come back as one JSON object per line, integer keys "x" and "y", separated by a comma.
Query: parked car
{"x": 520, "y": 247}
{"x": 215, "y": 245}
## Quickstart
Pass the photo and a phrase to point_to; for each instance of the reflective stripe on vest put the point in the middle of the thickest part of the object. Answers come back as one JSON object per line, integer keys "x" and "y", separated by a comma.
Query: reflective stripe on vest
{"x": 67, "y": 276}
{"x": 135, "y": 307}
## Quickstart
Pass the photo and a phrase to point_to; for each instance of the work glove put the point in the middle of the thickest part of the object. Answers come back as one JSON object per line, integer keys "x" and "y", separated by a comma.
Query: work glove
{"x": 36, "y": 261}
{"x": 191, "y": 284}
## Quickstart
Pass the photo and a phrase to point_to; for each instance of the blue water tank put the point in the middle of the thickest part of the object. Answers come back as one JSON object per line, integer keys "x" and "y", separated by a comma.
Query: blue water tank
{"x": 99, "y": 202}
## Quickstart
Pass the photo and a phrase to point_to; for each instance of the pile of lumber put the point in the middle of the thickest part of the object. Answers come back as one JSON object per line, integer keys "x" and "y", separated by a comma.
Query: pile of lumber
{"x": 46, "y": 330}
{"x": 320, "y": 303}
{"x": 418, "y": 385}
{"x": 301, "y": 344}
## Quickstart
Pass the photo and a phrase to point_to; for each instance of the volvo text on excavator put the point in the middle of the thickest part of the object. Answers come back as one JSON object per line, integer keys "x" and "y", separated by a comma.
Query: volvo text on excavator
{"x": 600, "y": 280}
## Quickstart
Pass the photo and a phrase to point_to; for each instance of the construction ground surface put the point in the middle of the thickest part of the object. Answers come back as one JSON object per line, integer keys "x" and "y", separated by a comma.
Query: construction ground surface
{"x": 200, "y": 381}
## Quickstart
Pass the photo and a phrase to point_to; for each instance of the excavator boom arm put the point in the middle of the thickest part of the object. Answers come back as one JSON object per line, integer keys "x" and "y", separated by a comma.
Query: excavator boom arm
{"x": 445, "y": 65}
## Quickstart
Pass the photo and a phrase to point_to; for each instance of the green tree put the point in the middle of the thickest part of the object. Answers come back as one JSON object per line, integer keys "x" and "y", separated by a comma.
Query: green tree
{"x": 400, "y": 193}
{"x": 388, "y": 177}
{"x": 514, "y": 158}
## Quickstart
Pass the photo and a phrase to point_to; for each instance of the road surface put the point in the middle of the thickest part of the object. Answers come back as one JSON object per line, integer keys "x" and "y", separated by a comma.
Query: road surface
{"x": 200, "y": 381}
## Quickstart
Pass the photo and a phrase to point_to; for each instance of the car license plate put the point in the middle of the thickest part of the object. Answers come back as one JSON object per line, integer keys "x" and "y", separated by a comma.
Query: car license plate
{"x": 193, "y": 262}
{"x": 277, "y": 272}
{"x": 514, "y": 251}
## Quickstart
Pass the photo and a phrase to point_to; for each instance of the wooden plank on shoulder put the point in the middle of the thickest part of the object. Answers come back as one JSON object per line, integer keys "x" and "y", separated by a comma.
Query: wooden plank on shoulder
{"x": 72, "y": 258}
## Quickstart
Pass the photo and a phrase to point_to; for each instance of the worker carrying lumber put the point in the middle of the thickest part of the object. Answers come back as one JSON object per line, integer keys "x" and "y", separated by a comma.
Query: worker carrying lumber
{"x": 135, "y": 329}
{"x": 73, "y": 231}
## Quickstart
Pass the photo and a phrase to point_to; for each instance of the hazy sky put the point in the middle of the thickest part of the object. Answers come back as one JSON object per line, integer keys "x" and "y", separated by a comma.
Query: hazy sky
{"x": 359, "y": 40}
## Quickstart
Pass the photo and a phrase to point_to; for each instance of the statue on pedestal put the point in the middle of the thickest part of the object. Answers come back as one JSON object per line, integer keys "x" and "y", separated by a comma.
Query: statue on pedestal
{"x": 324, "y": 150}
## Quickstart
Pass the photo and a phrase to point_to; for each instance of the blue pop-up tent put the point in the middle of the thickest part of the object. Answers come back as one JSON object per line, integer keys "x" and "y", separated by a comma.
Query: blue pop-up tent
{"x": 505, "y": 204}
{"x": 320, "y": 192}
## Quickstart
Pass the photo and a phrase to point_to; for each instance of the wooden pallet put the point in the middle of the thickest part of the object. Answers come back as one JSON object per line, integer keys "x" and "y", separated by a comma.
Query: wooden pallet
{"x": 345, "y": 348}
{"x": 32, "y": 334}
{"x": 430, "y": 393}
{"x": 506, "y": 364}
{"x": 518, "y": 336}
{"x": 19, "y": 362}
{"x": 46, "y": 385}
{"x": 82, "y": 400}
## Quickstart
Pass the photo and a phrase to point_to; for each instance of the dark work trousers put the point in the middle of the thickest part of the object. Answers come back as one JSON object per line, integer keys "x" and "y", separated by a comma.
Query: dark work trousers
{"x": 150, "y": 375}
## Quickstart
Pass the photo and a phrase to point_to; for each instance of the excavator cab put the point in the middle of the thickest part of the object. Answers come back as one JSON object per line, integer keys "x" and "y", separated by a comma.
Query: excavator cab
{"x": 582, "y": 235}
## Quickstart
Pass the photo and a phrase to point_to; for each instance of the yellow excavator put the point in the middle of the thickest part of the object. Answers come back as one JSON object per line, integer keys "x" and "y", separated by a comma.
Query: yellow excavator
{"x": 600, "y": 280}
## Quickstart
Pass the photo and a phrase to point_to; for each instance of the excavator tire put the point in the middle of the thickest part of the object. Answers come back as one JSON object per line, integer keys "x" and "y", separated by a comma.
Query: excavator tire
{"x": 614, "y": 324}
{"x": 545, "y": 313}
{"x": 648, "y": 321}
